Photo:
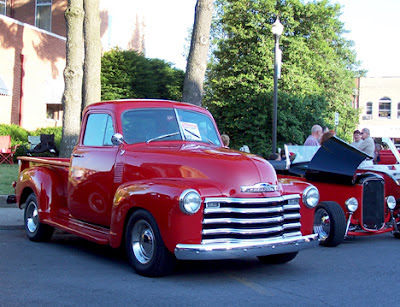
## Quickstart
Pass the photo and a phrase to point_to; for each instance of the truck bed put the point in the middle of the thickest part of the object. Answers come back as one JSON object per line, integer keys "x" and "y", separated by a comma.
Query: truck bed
{"x": 26, "y": 162}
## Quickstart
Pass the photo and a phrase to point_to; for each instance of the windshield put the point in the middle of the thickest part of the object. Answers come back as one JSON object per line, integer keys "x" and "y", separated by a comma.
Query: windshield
{"x": 302, "y": 153}
{"x": 198, "y": 127}
{"x": 150, "y": 125}
{"x": 392, "y": 148}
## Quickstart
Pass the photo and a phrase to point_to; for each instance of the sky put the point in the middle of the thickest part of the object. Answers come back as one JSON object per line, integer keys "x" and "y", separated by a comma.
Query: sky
{"x": 373, "y": 25}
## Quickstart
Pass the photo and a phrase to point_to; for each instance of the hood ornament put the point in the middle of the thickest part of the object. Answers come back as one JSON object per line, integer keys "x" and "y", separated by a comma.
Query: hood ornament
{"x": 259, "y": 188}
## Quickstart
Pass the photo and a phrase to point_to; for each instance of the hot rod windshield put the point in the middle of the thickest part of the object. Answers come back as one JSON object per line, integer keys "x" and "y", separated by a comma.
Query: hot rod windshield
{"x": 167, "y": 124}
{"x": 302, "y": 153}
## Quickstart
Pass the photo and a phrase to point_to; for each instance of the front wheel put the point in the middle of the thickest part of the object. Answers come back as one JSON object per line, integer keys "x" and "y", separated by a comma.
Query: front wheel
{"x": 35, "y": 230}
{"x": 329, "y": 223}
{"x": 278, "y": 258}
{"x": 145, "y": 248}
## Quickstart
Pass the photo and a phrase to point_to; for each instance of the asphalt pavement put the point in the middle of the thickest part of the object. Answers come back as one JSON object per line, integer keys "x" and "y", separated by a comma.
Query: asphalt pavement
{"x": 11, "y": 217}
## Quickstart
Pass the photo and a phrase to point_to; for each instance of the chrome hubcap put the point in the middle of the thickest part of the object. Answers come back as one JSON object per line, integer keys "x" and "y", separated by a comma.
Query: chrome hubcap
{"x": 143, "y": 241}
{"x": 322, "y": 224}
{"x": 32, "y": 219}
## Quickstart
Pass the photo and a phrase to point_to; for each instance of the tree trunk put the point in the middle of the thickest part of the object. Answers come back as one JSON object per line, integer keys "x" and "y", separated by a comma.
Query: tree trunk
{"x": 197, "y": 61}
{"x": 92, "y": 62}
{"x": 72, "y": 98}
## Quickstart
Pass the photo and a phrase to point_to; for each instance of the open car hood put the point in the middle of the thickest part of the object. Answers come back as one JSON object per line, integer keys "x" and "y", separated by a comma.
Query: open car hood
{"x": 335, "y": 162}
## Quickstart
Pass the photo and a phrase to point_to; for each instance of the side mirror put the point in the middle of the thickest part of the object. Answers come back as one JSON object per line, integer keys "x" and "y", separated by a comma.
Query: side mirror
{"x": 117, "y": 139}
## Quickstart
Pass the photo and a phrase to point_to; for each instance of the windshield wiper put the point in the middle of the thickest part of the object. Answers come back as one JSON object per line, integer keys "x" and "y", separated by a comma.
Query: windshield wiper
{"x": 193, "y": 134}
{"x": 162, "y": 137}
{"x": 200, "y": 138}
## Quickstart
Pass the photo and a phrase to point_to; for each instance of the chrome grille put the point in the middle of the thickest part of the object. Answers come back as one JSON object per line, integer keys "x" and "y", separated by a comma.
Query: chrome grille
{"x": 233, "y": 219}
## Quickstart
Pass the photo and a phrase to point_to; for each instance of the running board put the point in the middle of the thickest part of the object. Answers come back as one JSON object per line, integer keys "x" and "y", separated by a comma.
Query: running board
{"x": 94, "y": 233}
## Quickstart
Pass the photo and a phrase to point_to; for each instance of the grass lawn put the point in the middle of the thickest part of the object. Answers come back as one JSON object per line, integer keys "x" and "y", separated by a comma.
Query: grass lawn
{"x": 8, "y": 174}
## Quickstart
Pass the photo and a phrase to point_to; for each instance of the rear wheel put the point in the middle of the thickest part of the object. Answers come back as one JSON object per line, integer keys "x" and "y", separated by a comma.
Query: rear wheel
{"x": 35, "y": 230}
{"x": 278, "y": 259}
{"x": 145, "y": 248}
{"x": 329, "y": 223}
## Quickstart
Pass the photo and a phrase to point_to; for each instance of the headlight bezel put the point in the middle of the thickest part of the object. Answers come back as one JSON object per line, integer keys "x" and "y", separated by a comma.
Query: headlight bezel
{"x": 351, "y": 204}
{"x": 392, "y": 200}
{"x": 311, "y": 197}
{"x": 186, "y": 204}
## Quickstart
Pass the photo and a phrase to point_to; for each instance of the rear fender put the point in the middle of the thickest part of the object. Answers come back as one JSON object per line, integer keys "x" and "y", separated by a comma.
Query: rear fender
{"x": 161, "y": 200}
{"x": 47, "y": 183}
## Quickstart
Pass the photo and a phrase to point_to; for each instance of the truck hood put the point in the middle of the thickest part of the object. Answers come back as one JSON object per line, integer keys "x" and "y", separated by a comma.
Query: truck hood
{"x": 226, "y": 169}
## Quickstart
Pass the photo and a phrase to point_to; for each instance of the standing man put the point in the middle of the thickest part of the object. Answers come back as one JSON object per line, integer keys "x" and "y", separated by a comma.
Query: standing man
{"x": 357, "y": 139}
{"x": 313, "y": 139}
{"x": 368, "y": 144}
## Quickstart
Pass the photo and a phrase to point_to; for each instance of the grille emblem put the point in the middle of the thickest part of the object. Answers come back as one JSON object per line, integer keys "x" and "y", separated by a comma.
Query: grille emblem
{"x": 259, "y": 187}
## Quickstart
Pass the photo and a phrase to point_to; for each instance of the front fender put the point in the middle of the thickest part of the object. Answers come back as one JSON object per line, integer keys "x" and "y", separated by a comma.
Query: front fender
{"x": 161, "y": 199}
{"x": 296, "y": 186}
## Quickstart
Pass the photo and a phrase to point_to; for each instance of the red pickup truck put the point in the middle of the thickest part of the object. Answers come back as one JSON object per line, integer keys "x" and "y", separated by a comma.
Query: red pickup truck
{"x": 153, "y": 176}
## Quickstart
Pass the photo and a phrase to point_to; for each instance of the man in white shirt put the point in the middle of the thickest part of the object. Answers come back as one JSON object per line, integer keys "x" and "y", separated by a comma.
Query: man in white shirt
{"x": 368, "y": 144}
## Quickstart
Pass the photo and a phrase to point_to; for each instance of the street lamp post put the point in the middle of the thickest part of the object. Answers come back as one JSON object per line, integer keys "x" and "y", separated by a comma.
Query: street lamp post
{"x": 277, "y": 30}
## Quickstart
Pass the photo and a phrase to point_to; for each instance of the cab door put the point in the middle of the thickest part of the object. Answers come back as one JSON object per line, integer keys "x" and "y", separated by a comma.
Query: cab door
{"x": 91, "y": 176}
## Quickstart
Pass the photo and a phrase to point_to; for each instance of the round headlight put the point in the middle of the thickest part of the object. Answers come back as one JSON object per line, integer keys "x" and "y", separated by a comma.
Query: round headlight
{"x": 391, "y": 202}
{"x": 190, "y": 201}
{"x": 311, "y": 197}
{"x": 351, "y": 204}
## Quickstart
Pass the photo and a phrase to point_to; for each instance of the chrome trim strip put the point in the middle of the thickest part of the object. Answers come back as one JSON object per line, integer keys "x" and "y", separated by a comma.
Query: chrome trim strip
{"x": 292, "y": 216}
{"x": 255, "y": 231}
{"x": 264, "y": 247}
{"x": 277, "y": 209}
{"x": 264, "y": 200}
{"x": 291, "y": 207}
{"x": 244, "y": 221}
{"x": 291, "y": 226}
{"x": 233, "y": 240}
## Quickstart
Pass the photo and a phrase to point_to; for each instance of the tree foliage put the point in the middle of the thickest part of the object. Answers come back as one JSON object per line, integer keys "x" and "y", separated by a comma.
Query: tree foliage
{"x": 318, "y": 68}
{"x": 127, "y": 74}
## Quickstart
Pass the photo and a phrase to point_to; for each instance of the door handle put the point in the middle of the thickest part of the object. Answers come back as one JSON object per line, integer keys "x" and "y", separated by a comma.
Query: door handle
{"x": 77, "y": 156}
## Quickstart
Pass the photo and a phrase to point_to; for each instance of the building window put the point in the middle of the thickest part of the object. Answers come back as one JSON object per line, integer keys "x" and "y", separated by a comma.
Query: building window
{"x": 368, "y": 111}
{"x": 398, "y": 110}
{"x": 54, "y": 111}
{"x": 43, "y": 14}
{"x": 385, "y": 104}
{"x": 3, "y": 7}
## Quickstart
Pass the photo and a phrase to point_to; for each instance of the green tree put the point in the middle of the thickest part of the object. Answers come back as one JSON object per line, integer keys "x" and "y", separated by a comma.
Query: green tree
{"x": 127, "y": 74}
{"x": 317, "y": 71}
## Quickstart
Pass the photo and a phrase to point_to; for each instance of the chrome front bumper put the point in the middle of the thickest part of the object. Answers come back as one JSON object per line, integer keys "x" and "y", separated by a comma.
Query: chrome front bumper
{"x": 240, "y": 249}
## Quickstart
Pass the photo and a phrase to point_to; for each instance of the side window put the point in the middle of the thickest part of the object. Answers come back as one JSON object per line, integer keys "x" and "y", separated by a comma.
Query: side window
{"x": 99, "y": 129}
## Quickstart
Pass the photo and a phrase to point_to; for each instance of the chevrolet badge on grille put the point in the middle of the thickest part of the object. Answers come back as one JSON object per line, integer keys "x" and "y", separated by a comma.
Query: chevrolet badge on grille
{"x": 259, "y": 187}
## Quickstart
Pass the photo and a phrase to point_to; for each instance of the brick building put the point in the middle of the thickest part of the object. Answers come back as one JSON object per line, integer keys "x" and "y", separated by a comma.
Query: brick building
{"x": 32, "y": 62}
{"x": 379, "y": 102}
{"x": 32, "y": 53}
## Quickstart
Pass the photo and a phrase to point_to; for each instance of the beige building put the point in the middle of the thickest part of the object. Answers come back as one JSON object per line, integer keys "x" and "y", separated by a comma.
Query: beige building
{"x": 379, "y": 102}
